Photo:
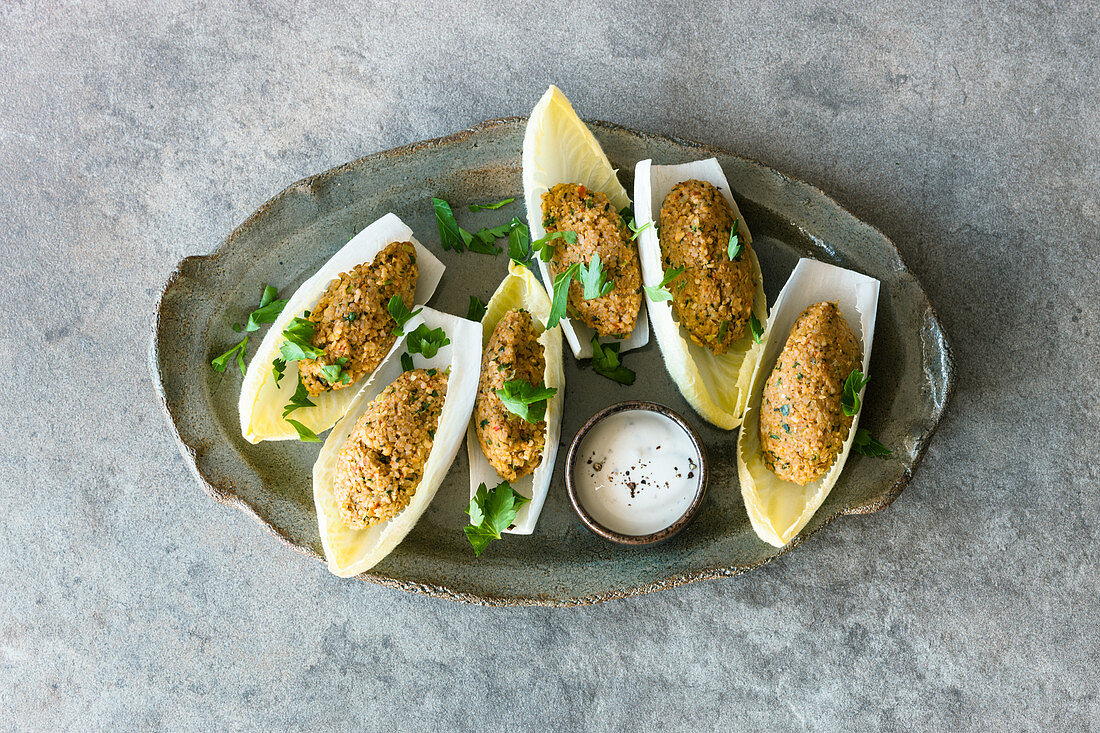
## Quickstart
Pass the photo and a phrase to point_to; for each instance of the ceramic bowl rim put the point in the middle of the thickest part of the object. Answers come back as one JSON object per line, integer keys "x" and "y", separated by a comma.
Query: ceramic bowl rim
{"x": 653, "y": 537}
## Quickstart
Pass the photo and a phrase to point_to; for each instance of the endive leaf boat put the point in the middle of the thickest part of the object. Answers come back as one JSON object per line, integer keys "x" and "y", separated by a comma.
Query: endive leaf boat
{"x": 263, "y": 397}
{"x": 779, "y": 509}
{"x": 348, "y": 550}
{"x": 715, "y": 385}
{"x": 559, "y": 148}
{"x": 520, "y": 289}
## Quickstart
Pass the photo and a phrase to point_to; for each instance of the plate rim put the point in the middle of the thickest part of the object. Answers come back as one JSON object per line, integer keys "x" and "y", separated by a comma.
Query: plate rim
{"x": 226, "y": 497}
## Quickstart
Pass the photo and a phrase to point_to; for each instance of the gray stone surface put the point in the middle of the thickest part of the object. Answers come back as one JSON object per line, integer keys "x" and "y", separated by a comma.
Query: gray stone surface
{"x": 134, "y": 134}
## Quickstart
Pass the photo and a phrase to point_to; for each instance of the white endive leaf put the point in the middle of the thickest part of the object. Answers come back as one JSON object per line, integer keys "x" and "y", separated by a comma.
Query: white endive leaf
{"x": 521, "y": 289}
{"x": 352, "y": 551}
{"x": 262, "y": 401}
{"x": 559, "y": 148}
{"x": 715, "y": 385}
{"x": 779, "y": 509}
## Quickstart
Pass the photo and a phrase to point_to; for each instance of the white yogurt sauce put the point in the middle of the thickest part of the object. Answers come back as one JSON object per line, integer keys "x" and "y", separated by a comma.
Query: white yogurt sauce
{"x": 637, "y": 472}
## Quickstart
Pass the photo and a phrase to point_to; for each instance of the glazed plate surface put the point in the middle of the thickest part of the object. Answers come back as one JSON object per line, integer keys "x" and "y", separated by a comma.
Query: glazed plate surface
{"x": 562, "y": 563}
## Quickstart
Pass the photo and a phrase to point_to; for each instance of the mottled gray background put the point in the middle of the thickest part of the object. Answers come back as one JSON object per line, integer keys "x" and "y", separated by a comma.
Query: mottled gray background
{"x": 134, "y": 134}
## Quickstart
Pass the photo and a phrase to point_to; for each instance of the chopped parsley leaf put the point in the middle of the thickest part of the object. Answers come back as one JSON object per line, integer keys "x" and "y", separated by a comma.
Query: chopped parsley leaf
{"x": 633, "y": 226}
{"x": 485, "y": 240}
{"x": 222, "y": 361}
{"x": 527, "y": 401}
{"x": 304, "y": 434}
{"x": 868, "y": 446}
{"x": 298, "y": 336}
{"x": 659, "y": 293}
{"x": 269, "y": 309}
{"x": 519, "y": 241}
{"x": 299, "y": 399}
{"x": 490, "y": 207}
{"x": 545, "y": 249}
{"x": 278, "y": 366}
{"x": 426, "y": 341}
{"x": 605, "y": 360}
{"x": 450, "y": 234}
{"x": 491, "y": 512}
{"x": 852, "y": 385}
{"x": 757, "y": 328}
{"x": 476, "y": 310}
{"x": 560, "y": 297}
{"x": 735, "y": 245}
{"x": 400, "y": 313}
{"x": 334, "y": 373}
{"x": 594, "y": 280}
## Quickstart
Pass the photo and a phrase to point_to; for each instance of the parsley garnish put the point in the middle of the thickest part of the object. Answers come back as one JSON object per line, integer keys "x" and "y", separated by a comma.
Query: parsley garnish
{"x": 476, "y": 310}
{"x": 400, "y": 313}
{"x": 221, "y": 362}
{"x": 525, "y": 400}
{"x": 426, "y": 341}
{"x": 450, "y": 235}
{"x": 491, "y": 512}
{"x": 269, "y": 309}
{"x": 560, "y": 298}
{"x": 852, "y": 385}
{"x": 735, "y": 245}
{"x": 659, "y": 293}
{"x": 267, "y": 312}
{"x": 406, "y": 362}
{"x": 605, "y": 360}
{"x": 867, "y": 445}
{"x": 277, "y": 368}
{"x": 545, "y": 249}
{"x": 519, "y": 241}
{"x": 304, "y": 434}
{"x": 490, "y": 207}
{"x": 334, "y": 373}
{"x": 633, "y": 226}
{"x": 485, "y": 240}
{"x": 723, "y": 329}
{"x": 298, "y": 400}
{"x": 757, "y": 328}
{"x": 298, "y": 336}
{"x": 594, "y": 280}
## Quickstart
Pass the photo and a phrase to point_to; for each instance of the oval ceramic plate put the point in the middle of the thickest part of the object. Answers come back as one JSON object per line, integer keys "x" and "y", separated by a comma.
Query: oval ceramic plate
{"x": 562, "y": 563}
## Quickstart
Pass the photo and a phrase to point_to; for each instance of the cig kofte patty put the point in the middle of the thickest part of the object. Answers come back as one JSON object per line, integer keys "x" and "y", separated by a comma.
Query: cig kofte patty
{"x": 713, "y": 297}
{"x": 512, "y": 445}
{"x": 802, "y": 421}
{"x": 573, "y": 207}
{"x": 351, "y": 321}
{"x": 382, "y": 460}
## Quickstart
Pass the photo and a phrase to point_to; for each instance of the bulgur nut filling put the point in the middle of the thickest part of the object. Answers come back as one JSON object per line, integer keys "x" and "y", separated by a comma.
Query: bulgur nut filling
{"x": 512, "y": 445}
{"x": 713, "y": 297}
{"x": 802, "y": 424}
{"x": 601, "y": 231}
{"x": 381, "y": 463}
{"x": 351, "y": 322}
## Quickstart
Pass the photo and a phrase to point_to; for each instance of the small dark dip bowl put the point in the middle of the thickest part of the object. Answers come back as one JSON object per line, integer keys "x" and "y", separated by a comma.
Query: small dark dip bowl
{"x": 587, "y": 518}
